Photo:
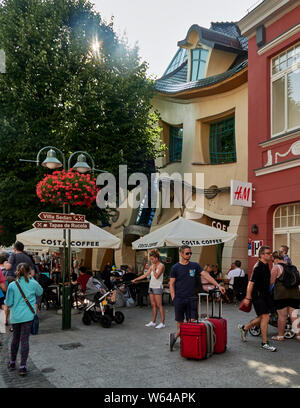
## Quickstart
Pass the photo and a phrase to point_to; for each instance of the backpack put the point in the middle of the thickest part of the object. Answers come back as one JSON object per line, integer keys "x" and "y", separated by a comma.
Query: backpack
{"x": 240, "y": 284}
{"x": 290, "y": 277}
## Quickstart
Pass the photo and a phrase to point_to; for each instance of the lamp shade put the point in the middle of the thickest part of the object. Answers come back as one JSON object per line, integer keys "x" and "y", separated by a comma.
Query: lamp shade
{"x": 81, "y": 164}
{"x": 51, "y": 161}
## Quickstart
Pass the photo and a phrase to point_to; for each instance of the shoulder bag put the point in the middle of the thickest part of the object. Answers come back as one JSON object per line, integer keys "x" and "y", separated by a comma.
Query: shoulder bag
{"x": 35, "y": 321}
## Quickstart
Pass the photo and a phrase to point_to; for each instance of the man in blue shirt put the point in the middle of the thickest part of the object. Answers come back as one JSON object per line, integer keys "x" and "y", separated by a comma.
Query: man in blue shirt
{"x": 184, "y": 277}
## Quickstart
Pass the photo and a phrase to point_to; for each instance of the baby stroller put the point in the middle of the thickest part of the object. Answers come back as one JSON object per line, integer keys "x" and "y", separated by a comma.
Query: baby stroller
{"x": 102, "y": 303}
{"x": 48, "y": 297}
{"x": 288, "y": 332}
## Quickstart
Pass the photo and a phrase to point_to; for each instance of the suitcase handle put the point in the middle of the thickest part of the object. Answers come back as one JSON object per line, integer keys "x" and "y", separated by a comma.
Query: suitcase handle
{"x": 214, "y": 293}
{"x": 199, "y": 304}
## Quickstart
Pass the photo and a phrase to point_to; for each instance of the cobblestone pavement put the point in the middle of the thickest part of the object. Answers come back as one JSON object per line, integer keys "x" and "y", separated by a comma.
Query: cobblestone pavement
{"x": 132, "y": 355}
{"x": 11, "y": 379}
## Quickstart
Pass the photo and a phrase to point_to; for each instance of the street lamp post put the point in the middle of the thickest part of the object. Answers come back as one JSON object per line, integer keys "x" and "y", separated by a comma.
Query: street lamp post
{"x": 51, "y": 162}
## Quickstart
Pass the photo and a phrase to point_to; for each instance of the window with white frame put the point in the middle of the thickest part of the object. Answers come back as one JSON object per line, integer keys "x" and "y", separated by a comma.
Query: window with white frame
{"x": 285, "y": 84}
{"x": 286, "y": 230}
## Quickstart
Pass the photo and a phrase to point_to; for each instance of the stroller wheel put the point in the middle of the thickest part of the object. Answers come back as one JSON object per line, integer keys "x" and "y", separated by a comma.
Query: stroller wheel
{"x": 119, "y": 317}
{"x": 289, "y": 333}
{"x": 86, "y": 319}
{"x": 106, "y": 321}
{"x": 255, "y": 331}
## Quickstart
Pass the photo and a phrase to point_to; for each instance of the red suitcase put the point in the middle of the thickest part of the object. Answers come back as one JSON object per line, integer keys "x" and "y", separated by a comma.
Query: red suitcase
{"x": 193, "y": 340}
{"x": 197, "y": 339}
{"x": 220, "y": 328}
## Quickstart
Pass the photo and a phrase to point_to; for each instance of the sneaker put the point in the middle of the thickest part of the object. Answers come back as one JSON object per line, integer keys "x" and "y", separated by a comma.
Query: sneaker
{"x": 243, "y": 332}
{"x": 160, "y": 326}
{"x": 151, "y": 324}
{"x": 22, "y": 370}
{"x": 267, "y": 347}
{"x": 11, "y": 365}
{"x": 172, "y": 340}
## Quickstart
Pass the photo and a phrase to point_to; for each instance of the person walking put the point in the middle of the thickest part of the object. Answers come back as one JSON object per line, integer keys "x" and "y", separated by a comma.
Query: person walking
{"x": 284, "y": 250}
{"x": 286, "y": 300}
{"x": 258, "y": 291}
{"x": 15, "y": 259}
{"x": 184, "y": 279}
{"x": 156, "y": 272}
{"x": 21, "y": 314}
{"x": 3, "y": 287}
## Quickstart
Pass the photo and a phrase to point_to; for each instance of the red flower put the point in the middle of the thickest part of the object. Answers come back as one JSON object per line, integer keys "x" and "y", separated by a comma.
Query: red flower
{"x": 67, "y": 187}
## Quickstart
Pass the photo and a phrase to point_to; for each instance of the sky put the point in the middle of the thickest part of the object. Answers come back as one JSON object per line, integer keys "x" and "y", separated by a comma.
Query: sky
{"x": 157, "y": 25}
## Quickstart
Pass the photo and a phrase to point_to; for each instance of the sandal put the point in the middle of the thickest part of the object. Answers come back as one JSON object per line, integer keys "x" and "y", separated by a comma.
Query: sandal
{"x": 278, "y": 338}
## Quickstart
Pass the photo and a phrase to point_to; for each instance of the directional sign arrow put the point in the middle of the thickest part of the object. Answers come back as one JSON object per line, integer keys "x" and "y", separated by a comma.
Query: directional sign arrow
{"x": 61, "y": 225}
{"x": 47, "y": 216}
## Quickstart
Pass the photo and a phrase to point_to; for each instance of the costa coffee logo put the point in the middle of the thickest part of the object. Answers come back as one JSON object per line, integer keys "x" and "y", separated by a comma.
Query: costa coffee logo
{"x": 222, "y": 225}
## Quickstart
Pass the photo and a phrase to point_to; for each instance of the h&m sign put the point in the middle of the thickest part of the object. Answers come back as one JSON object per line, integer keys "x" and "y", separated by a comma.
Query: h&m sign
{"x": 240, "y": 193}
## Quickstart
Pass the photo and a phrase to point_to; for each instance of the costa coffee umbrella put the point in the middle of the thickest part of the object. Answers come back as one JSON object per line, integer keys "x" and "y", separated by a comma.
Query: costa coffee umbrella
{"x": 94, "y": 237}
{"x": 183, "y": 232}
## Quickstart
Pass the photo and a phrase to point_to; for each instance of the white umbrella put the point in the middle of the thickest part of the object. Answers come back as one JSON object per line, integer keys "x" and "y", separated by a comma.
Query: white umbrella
{"x": 183, "y": 232}
{"x": 94, "y": 237}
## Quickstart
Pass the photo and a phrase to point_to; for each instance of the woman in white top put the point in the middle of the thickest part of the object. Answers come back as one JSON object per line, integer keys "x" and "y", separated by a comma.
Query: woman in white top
{"x": 156, "y": 272}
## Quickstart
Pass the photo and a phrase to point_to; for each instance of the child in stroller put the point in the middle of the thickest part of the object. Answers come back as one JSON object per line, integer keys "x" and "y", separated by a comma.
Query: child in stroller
{"x": 102, "y": 304}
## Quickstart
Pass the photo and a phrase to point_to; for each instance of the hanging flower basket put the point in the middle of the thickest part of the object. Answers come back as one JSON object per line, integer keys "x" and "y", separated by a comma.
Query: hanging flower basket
{"x": 67, "y": 187}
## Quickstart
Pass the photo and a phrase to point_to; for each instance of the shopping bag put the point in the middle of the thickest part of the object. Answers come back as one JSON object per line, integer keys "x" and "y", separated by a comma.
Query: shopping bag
{"x": 245, "y": 308}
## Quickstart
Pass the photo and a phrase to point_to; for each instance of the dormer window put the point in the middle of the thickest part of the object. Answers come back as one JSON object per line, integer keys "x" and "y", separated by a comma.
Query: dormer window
{"x": 198, "y": 63}
{"x": 179, "y": 58}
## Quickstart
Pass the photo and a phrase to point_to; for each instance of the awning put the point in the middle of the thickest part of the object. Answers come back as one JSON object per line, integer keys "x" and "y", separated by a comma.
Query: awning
{"x": 94, "y": 237}
{"x": 183, "y": 232}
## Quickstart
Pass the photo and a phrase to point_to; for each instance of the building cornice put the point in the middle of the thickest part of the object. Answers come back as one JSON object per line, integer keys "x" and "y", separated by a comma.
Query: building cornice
{"x": 289, "y": 164}
{"x": 263, "y": 13}
{"x": 286, "y": 35}
{"x": 280, "y": 139}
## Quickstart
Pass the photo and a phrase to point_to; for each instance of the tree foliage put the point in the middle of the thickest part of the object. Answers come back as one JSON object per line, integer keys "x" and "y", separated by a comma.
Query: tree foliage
{"x": 57, "y": 91}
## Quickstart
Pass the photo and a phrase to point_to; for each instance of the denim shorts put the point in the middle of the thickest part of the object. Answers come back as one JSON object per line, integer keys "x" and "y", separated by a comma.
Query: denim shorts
{"x": 156, "y": 291}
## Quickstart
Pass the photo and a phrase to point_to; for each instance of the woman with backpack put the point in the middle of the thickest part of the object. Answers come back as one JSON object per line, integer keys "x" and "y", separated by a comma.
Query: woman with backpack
{"x": 286, "y": 299}
{"x": 22, "y": 313}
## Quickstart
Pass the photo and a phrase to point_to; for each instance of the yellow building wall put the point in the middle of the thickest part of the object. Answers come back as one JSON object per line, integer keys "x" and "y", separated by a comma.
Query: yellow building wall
{"x": 195, "y": 115}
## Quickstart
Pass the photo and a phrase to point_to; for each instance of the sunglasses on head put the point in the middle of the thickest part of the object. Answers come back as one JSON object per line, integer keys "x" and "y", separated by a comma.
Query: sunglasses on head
{"x": 188, "y": 253}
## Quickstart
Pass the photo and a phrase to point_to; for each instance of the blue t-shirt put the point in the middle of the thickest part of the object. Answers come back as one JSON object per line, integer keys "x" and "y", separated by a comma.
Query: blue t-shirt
{"x": 186, "y": 279}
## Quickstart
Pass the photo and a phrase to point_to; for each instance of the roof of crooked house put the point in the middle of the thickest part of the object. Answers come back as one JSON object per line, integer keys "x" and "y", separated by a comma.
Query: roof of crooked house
{"x": 224, "y": 36}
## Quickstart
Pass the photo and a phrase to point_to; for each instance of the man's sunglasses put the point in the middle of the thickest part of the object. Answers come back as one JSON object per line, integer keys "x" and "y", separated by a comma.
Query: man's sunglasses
{"x": 268, "y": 253}
{"x": 188, "y": 253}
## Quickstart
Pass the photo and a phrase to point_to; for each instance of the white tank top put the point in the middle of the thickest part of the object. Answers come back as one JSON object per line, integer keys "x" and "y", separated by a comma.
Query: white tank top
{"x": 156, "y": 283}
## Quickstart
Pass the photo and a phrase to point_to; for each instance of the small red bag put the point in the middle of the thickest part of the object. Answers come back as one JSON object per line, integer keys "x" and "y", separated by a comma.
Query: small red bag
{"x": 245, "y": 308}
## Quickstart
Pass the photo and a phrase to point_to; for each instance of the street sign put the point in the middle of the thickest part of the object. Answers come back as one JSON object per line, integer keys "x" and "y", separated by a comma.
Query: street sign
{"x": 46, "y": 216}
{"x": 61, "y": 225}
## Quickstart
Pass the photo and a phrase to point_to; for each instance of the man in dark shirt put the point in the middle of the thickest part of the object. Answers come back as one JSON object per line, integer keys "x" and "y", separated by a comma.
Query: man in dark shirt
{"x": 184, "y": 278}
{"x": 258, "y": 292}
{"x": 15, "y": 259}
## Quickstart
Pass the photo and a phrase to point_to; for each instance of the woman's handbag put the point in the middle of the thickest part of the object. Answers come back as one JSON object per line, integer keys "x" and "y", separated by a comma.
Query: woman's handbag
{"x": 245, "y": 308}
{"x": 35, "y": 321}
{"x": 35, "y": 325}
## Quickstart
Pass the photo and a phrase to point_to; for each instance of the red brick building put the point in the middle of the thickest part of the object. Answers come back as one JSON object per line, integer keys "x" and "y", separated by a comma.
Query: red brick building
{"x": 273, "y": 32}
